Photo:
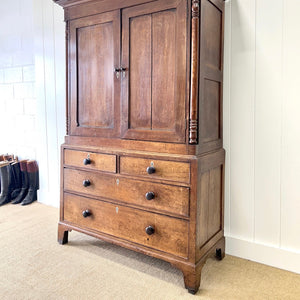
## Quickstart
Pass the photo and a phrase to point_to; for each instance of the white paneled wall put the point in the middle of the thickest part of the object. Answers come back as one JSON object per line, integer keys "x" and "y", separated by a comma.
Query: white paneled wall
{"x": 262, "y": 131}
{"x": 51, "y": 94}
{"x": 32, "y": 87}
{"x": 17, "y": 76}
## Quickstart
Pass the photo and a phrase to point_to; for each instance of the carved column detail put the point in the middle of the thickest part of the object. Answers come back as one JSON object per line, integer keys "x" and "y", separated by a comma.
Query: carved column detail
{"x": 193, "y": 124}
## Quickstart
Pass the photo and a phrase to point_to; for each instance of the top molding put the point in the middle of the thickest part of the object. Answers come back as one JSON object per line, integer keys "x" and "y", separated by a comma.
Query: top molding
{"x": 68, "y": 3}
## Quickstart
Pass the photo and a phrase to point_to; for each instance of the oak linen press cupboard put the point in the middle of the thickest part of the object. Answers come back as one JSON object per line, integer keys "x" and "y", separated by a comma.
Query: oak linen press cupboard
{"x": 142, "y": 162}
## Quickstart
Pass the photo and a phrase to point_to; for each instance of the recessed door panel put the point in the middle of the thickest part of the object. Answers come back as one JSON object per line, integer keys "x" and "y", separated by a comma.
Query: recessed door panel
{"x": 164, "y": 70}
{"x": 95, "y": 90}
{"x": 140, "y": 73}
{"x": 95, "y": 77}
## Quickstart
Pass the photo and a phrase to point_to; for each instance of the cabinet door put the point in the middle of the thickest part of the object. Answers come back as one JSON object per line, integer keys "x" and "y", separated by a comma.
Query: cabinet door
{"x": 154, "y": 48}
{"x": 94, "y": 52}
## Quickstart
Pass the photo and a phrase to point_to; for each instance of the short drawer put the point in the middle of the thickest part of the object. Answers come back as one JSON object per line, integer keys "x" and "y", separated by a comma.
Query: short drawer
{"x": 167, "y": 198}
{"x": 154, "y": 168}
{"x": 170, "y": 234}
{"x": 90, "y": 160}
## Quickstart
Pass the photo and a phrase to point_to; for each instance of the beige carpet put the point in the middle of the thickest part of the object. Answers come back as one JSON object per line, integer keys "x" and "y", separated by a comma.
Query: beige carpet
{"x": 34, "y": 266}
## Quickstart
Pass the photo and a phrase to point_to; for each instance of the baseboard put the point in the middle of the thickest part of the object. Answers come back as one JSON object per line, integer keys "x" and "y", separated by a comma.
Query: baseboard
{"x": 272, "y": 256}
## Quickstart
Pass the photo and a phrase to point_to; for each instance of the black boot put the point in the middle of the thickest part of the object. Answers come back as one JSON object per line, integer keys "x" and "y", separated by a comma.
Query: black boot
{"x": 17, "y": 180}
{"x": 5, "y": 182}
{"x": 24, "y": 180}
{"x": 32, "y": 171}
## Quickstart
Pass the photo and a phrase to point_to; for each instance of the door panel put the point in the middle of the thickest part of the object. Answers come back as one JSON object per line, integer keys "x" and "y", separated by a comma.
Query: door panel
{"x": 154, "y": 52}
{"x": 95, "y": 90}
{"x": 140, "y": 58}
{"x": 164, "y": 69}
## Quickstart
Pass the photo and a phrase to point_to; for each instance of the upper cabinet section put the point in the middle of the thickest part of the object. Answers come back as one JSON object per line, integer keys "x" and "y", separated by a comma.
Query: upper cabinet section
{"x": 154, "y": 89}
{"x": 146, "y": 70}
{"x": 95, "y": 90}
{"x": 131, "y": 82}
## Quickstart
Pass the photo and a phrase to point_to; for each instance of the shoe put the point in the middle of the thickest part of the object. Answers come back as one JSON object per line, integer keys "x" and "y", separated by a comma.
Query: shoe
{"x": 33, "y": 180}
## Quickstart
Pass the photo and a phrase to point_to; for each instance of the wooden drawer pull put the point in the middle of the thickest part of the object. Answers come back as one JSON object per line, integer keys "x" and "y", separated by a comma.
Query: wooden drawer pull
{"x": 150, "y": 170}
{"x": 150, "y": 196}
{"x": 86, "y": 213}
{"x": 150, "y": 230}
{"x": 86, "y": 183}
{"x": 87, "y": 161}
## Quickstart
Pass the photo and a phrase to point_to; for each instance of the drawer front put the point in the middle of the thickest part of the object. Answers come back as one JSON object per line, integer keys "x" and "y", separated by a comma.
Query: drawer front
{"x": 173, "y": 199}
{"x": 96, "y": 161}
{"x": 171, "y": 234}
{"x": 168, "y": 170}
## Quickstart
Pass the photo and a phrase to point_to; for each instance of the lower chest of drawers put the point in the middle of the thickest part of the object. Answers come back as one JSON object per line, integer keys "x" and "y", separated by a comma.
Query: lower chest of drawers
{"x": 118, "y": 196}
{"x": 167, "y": 206}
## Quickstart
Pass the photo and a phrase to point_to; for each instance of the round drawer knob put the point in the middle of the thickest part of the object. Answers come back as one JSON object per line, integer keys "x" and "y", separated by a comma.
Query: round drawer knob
{"x": 150, "y": 170}
{"x": 86, "y": 213}
{"x": 150, "y": 230}
{"x": 86, "y": 183}
{"x": 87, "y": 161}
{"x": 150, "y": 196}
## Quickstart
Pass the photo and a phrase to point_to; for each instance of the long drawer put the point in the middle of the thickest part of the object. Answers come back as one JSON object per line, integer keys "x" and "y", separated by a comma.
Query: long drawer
{"x": 90, "y": 160}
{"x": 155, "y": 168}
{"x": 167, "y": 198}
{"x": 170, "y": 234}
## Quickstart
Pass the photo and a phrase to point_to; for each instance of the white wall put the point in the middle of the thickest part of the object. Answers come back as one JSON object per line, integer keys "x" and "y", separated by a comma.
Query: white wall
{"x": 49, "y": 42}
{"x": 262, "y": 132}
{"x": 32, "y": 87}
{"x": 17, "y": 99}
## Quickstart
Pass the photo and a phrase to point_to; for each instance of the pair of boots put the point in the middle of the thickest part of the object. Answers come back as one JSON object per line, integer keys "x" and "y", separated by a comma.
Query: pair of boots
{"x": 19, "y": 181}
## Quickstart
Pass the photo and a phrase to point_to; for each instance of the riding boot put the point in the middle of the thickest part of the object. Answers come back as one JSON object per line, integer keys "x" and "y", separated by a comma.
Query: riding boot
{"x": 17, "y": 180}
{"x": 32, "y": 171}
{"x": 24, "y": 180}
{"x": 5, "y": 182}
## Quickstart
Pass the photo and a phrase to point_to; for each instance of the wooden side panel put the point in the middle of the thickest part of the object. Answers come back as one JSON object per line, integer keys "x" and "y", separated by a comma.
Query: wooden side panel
{"x": 140, "y": 73}
{"x": 171, "y": 235}
{"x": 213, "y": 40}
{"x": 164, "y": 70}
{"x": 95, "y": 60}
{"x": 203, "y": 209}
{"x": 210, "y": 203}
{"x": 215, "y": 202}
{"x": 210, "y": 121}
{"x": 211, "y": 76}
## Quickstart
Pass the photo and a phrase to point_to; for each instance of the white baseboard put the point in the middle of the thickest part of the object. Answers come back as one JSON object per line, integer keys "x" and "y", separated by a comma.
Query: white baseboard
{"x": 272, "y": 256}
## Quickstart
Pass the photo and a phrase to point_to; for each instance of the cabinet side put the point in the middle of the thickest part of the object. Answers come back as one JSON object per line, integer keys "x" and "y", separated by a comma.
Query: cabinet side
{"x": 211, "y": 76}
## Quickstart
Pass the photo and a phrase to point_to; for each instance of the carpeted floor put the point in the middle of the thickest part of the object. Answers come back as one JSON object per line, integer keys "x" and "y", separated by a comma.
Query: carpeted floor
{"x": 34, "y": 266}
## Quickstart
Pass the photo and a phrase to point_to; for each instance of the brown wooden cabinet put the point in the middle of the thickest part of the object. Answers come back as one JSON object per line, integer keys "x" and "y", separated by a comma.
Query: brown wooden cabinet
{"x": 142, "y": 162}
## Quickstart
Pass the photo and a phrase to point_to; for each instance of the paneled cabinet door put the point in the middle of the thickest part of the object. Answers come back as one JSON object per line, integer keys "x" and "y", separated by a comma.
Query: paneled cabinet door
{"x": 94, "y": 52}
{"x": 154, "y": 47}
